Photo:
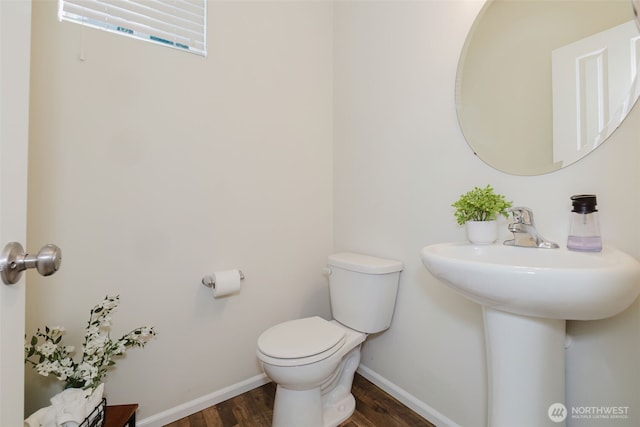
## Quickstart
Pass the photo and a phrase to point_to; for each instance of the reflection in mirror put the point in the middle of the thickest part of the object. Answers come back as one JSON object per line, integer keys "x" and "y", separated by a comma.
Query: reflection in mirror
{"x": 541, "y": 83}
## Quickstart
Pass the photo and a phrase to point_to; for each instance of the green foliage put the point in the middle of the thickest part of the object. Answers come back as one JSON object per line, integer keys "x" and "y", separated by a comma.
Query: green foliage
{"x": 480, "y": 204}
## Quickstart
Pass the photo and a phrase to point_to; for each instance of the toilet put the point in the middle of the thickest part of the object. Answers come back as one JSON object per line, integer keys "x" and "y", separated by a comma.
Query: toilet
{"x": 313, "y": 360}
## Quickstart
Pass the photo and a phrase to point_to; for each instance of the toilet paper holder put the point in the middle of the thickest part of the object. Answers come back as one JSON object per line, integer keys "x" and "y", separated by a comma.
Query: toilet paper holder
{"x": 210, "y": 280}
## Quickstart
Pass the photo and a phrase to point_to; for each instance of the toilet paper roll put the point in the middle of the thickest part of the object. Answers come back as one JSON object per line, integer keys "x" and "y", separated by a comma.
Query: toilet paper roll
{"x": 226, "y": 283}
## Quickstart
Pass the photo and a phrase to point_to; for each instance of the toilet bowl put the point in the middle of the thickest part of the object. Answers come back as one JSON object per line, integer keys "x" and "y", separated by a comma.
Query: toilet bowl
{"x": 313, "y": 375}
{"x": 313, "y": 360}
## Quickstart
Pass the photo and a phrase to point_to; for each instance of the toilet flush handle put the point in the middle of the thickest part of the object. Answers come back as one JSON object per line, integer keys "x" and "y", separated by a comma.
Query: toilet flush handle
{"x": 326, "y": 271}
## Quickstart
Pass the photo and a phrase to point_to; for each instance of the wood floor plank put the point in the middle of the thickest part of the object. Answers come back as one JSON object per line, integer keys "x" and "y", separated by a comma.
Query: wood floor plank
{"x": 225, "y": 410}
{"x": 262, "y": 404}
{"x": 381, "y": 408}
{"x": 358, "y": 420}
{"x": 249, "y": 414}
{"x": 183, "y": 422}
{"x": 374, "y": 408}
{"x": 211, "y": 417}
{"x": 197, "y": 420}
{"x": 241, "y": 411}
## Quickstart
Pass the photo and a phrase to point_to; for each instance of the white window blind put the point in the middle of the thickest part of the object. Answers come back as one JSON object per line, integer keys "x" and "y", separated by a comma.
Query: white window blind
{"x": 175, "y": 23}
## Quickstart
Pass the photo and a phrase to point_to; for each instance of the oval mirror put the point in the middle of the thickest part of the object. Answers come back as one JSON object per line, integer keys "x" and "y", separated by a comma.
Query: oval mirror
{"x": 541, "y": 83}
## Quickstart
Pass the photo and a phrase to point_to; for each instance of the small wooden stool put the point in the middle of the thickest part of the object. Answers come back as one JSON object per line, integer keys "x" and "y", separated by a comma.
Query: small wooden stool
{"x": 120, "y": 415}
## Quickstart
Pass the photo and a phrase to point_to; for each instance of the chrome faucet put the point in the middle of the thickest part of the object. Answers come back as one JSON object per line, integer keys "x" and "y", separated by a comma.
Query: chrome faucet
{"x": 524, "y": 231}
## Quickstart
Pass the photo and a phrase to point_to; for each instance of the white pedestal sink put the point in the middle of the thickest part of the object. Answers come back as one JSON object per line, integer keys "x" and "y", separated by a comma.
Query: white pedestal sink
{"x": 527, "y": 294}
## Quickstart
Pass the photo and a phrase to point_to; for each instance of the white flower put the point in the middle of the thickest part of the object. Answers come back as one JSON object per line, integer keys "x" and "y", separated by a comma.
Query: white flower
{"x": 95, "y": 343}
{"x": 52, "y": 356}
{"x": 66, "y": 362}
{"x": 44, "y": 368}
{"x": 87, "y": 371}
{"x": 47, "y": 348}
{"x": 120, "y": 348}
{"x": 105, "y": 321}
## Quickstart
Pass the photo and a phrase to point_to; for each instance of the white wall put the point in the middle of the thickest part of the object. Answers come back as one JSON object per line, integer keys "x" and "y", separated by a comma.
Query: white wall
{"x": 400, "y": 160}
{"x": 162, "y": 181}
{"x": 151, "y": 167}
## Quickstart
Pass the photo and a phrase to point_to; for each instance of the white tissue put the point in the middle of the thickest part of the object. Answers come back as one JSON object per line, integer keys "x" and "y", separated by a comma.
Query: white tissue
{"x": 227, "y": 282}
{"x": 68, "y": 408}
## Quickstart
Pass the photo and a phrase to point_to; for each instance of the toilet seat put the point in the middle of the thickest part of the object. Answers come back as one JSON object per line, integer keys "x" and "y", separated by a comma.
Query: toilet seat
{"x": 300, "y": 342}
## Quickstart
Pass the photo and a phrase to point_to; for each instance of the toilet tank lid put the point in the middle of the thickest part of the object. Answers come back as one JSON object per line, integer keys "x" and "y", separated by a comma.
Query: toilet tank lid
{"x": 364, "y": 263}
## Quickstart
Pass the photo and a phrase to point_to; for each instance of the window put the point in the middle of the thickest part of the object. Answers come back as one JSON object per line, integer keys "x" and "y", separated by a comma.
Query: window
{"x": 180, "y": 24}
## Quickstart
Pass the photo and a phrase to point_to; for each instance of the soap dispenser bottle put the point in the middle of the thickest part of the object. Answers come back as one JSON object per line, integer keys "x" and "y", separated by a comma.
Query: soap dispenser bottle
{"x": 584, "y": 230}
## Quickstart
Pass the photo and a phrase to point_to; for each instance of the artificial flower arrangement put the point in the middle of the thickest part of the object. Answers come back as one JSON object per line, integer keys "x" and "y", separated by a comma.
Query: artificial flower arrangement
{"x": 98, "y": 349}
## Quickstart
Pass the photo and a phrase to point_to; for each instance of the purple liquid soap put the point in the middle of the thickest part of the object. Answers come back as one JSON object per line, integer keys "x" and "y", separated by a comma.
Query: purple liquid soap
{"x": 585, "y": 244}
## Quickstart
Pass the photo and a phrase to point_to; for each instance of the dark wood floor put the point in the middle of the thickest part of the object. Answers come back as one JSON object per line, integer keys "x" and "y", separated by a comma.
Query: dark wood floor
{"x": 374, "y": 408}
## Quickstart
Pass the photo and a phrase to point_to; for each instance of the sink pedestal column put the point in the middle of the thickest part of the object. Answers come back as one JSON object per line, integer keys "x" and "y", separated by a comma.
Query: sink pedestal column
{"x": 525, "y": 364}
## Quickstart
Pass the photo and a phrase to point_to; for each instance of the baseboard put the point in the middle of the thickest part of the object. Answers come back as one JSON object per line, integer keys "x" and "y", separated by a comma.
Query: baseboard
{"x": 177, "y": 412}
{"x": 407, "y": 399}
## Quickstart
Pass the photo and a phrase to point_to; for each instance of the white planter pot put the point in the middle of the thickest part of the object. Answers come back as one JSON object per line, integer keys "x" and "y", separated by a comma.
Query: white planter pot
{"x": 482, "y": 232}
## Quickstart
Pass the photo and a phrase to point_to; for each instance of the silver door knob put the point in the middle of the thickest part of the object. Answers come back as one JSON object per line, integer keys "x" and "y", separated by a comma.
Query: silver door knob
{"x": 14, "y": 260}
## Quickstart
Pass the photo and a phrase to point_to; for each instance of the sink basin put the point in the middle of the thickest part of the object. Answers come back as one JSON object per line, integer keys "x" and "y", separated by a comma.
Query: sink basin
{"x": 547, "y": 283}
{"x": 527, "y": 294}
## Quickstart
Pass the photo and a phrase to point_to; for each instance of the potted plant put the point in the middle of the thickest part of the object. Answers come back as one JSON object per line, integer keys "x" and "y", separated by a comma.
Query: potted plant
{"x": 479, "y": 210}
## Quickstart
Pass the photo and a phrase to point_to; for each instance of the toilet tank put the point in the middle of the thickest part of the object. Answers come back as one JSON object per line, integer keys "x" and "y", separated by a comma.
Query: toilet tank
{"x": 363, "y": 290}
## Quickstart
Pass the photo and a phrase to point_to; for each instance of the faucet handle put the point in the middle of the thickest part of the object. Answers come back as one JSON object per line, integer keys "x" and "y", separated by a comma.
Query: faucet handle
{"x": 522, "y": 215}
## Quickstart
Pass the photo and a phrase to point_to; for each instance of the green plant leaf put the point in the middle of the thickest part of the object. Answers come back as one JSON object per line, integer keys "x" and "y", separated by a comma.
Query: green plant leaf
{"x": 480, "y": 204}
